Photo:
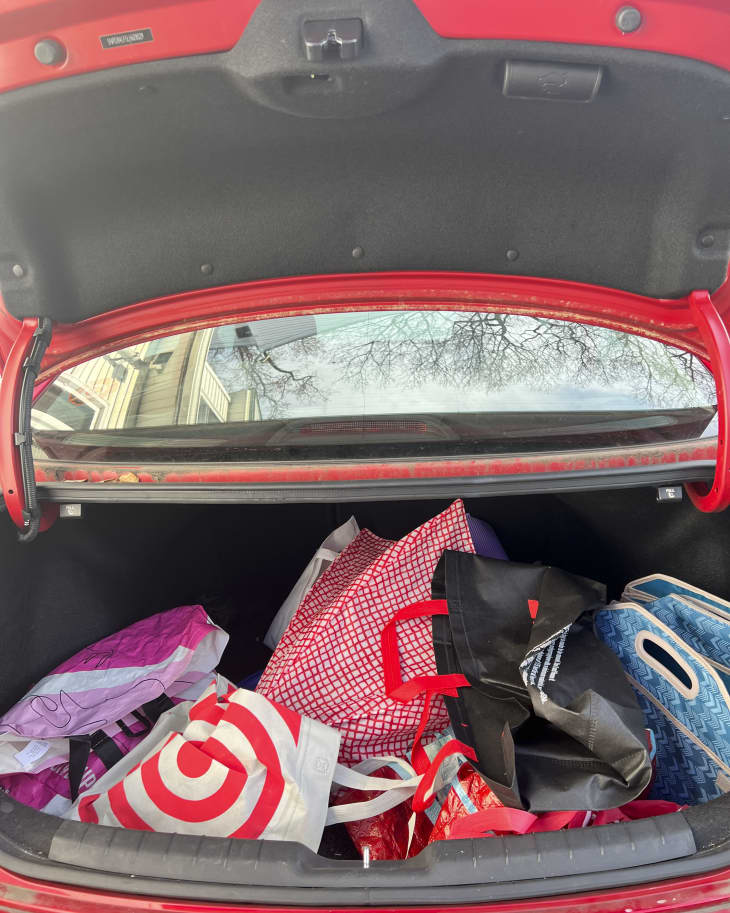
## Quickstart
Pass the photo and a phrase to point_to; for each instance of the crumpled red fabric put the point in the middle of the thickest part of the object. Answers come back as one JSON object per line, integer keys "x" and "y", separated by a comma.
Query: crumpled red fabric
{"x": 471, "y": 810}
{"x": 388, "y": 835}
{"x": 469, "y": 794}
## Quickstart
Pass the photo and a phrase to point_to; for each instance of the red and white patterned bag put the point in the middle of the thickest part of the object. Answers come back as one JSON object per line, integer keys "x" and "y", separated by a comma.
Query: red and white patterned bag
{"x": 329, "y": 662}
{"x": 243, "y": 766}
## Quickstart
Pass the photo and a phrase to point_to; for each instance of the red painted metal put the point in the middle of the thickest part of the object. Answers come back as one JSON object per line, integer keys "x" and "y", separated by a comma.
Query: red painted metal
{"x": 721, "y": 298}
{"x": 698, "y": 28}
{"x": 690, "y": 28}
{"x": 708, "y": 893}
{"x": 668, "y": 320}
{"x": 178, "y": 28}
{"x": 717, "y": 342}
{"x": 9, "y": 329}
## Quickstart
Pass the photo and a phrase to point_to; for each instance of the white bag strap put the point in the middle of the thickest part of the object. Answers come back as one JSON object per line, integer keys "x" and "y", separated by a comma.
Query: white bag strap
{"x": 392, "y": 792}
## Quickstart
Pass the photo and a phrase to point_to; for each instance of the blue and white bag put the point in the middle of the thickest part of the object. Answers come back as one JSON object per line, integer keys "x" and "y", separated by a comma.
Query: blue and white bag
{"x": 648, "y": 589}
{"x": 674, "y": 642}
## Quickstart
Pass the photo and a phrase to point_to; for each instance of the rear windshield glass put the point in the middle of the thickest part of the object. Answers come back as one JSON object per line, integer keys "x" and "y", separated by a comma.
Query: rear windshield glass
{"x": 389, "y": 383}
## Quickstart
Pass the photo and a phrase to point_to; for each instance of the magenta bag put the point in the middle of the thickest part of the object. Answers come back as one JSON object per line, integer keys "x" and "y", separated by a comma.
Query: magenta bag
{"x": 83, "y": 717}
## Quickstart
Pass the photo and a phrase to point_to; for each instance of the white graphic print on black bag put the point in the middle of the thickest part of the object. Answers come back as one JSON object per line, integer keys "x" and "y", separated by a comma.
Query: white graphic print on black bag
{"x": 543, "y": 663}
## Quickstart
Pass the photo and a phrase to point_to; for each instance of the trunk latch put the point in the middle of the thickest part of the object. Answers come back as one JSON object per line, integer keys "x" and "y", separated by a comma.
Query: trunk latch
{"x": 332, "y": 39}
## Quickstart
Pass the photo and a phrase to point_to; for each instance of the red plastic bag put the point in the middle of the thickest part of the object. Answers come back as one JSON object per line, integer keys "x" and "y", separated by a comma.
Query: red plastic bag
{"x": 402, "y": 833}
{"x": 470, "y": 810}
{"x": 395, "y": 834}
{"x": 469, "y": 794}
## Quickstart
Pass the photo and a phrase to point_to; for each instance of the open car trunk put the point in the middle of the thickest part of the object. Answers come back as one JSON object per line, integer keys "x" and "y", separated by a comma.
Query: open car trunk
{"x": 88, "y": 578}
{"x": 569, "y": 167}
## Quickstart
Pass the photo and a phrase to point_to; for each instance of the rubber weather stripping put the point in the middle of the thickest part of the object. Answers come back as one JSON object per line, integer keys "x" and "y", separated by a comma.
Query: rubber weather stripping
{"x": 17, "y": 472}
{"x": 715, "y": 335}
{"x": 24, "y": 435}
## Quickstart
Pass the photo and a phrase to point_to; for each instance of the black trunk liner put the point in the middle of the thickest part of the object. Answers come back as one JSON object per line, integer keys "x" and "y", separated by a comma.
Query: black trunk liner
{"x": 85, "y": 579}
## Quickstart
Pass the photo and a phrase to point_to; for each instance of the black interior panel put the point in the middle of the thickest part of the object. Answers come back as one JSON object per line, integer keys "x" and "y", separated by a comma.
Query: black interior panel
{"x": 85, "y": 579}
{"x": 118, "y": 186}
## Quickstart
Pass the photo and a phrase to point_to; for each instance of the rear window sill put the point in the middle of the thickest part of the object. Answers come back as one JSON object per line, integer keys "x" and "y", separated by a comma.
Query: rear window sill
{"x": 353, "y": 490}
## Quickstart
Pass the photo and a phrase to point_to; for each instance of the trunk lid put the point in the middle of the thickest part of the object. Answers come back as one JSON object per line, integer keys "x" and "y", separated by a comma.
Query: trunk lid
{"x": 570, "y": 150}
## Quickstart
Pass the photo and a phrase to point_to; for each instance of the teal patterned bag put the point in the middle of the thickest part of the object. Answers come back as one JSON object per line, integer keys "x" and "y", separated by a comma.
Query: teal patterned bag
{"x": 676, "y": 652}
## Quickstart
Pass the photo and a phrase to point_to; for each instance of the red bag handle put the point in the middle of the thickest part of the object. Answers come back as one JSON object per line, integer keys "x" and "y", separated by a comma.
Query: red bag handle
{"x": 430, "y": 685}
{"x": 423, "y": 798}
{"x": 499, "y": 820}
{"x": 639, "y": 808}
{"x": 556, "y": 821}
{"x": 516, "y": 821}
{"x": 395, "y": 687}
{"x": 512, "y": 821}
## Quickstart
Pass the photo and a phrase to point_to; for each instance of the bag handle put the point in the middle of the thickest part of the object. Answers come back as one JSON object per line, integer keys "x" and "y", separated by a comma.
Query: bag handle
{"x": 392, "y": 792}
{"x": 430, "y": 685}
{"x": 79, "y": 749}
{"x": 425, "y": 793}
{"x": 503, "y": 820}
{"x": 515, "y": 821}
{"x": 663, "y": 658}
{"x": 397, "y": 689}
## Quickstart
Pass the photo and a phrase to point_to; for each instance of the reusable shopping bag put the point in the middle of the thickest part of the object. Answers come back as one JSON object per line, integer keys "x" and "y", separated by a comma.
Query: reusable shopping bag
{"x": 85, "y": 716}
{"x": 460, "y": 810}
{"x": 538, "y": 703}
{"x": 244, "y": 767}
{"x": 323, "y": 557}
{"x": 328, "y": 664}
{"x": 647, "y": 589}
{"x": 400, "y": 832}
{"x": 676, "y": 653}
{"x": 483, "y": 536}
{"x": 485, "y": 540}
{"x": 468, "y": 794}
{"x": 466, "y": 811}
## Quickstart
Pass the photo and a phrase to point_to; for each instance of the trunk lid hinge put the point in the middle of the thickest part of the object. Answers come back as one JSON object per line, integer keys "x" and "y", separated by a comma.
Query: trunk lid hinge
{"x": 716, "y": 339}
{"x": 17, "y": 473}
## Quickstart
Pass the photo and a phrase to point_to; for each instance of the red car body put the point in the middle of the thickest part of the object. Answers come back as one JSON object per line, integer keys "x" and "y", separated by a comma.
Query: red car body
{"x": 697, "y": 322}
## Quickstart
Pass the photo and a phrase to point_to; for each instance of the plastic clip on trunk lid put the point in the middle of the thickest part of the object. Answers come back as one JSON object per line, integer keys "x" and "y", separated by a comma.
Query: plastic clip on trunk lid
{"x": 17, "y": 475}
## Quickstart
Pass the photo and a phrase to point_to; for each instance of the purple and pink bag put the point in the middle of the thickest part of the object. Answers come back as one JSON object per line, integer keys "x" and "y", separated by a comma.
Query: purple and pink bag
{"x": 89, "y": 712}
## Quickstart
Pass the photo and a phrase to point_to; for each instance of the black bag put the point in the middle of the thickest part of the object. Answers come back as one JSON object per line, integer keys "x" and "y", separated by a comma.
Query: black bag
{"x": 545, "y": 708}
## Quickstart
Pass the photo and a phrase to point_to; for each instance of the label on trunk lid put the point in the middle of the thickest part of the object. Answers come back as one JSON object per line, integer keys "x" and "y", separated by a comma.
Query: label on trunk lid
{"x": 122, "y": 39}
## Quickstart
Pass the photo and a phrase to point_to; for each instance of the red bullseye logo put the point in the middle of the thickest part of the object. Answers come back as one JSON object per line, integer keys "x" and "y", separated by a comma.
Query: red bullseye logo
{"x": 243, "y": 766}
{"x": 209, "y": 770}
